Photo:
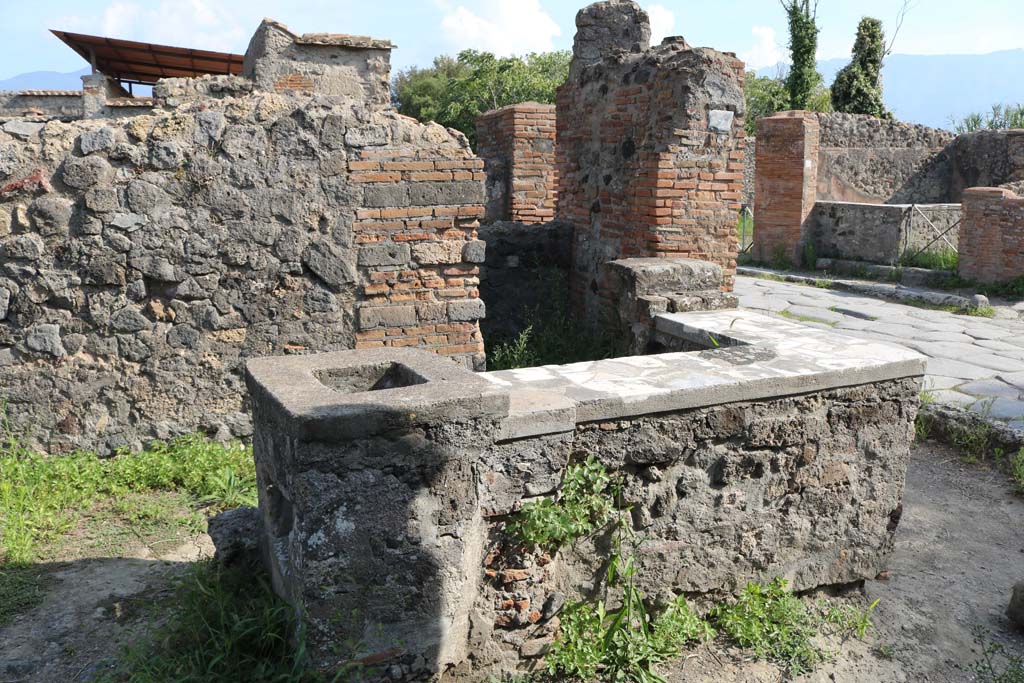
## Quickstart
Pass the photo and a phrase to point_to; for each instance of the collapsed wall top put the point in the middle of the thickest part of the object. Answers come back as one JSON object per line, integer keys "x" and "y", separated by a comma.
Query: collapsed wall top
{"x": 329, "y": 63}
{"x": 606, "y": 28}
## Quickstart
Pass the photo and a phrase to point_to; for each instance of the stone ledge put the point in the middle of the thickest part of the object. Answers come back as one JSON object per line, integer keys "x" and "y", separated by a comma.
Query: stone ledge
{"x": 756, "y": 357}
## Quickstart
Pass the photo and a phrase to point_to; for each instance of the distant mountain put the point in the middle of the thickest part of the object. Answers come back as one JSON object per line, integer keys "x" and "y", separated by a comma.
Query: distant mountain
{"x": 45, "y": 80}
{"x": 933, "y": 89}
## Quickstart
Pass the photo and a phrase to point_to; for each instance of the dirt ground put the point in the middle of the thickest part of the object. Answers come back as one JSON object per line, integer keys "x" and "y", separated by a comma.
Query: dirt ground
{"x": 960, "y": 548}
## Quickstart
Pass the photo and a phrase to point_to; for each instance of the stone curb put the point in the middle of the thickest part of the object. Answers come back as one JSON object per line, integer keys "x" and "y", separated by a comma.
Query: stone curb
{"x": 891, "y": 292}
{"x": 948, "y": 420}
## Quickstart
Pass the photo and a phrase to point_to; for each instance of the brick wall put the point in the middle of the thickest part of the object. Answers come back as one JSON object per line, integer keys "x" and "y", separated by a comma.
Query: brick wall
{"x": 418, "y": 255}
{"x": 785, "y": 188}
{"x": 992, "y": 235}
{"x": 650, "y": 158}
{"x": 517, "y": 144}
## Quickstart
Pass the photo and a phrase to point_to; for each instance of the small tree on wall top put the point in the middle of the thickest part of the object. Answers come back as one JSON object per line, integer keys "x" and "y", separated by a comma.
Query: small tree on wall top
{"x": 858, "y": 85}
{"x": 803, "y": 77}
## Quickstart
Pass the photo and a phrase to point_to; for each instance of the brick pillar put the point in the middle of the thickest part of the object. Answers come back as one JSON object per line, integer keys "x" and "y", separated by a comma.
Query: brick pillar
{"x": 517, "y": 144}
{"x": 785, "y": 185}
{"x": 94, "y": 95}
{"x": 991, "y": 235}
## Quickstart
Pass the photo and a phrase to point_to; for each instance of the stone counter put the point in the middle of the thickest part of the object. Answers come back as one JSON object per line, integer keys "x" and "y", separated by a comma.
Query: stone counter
{"x": 386, "y": 476}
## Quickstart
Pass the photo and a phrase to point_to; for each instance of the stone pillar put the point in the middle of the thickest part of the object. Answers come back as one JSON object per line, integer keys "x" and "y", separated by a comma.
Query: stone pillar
{"x": 368, "y": 496}
{"x": 650, "y": 148}
{"x": 785, "y": 186}
{"x": 94, "y": 95}
{"x": 991, "y": 244}
{"x": 517, "y": 144}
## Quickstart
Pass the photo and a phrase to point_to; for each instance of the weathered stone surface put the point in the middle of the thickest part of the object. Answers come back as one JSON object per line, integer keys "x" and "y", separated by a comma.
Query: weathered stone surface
{"x": 805, "y": 485}
{"x": 444, "y": 251}
{"x": 468, "y": 309}
{"x": 154, "y": 250}
{"x": 1015, "y": 610}
{"x": 99, "y": 140}
{"x": 236, "y": 535}
{"x": 85, "y": 172}
{"x": 45, "y": 339}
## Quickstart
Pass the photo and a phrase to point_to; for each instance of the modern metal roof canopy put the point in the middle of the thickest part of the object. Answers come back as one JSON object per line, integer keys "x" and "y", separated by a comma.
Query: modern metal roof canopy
{"x": 144, "y": 63}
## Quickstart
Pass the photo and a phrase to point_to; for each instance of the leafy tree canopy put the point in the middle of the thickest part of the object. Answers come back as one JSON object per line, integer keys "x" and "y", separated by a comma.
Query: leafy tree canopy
{"x": 767, "y": 95}
{"x": 858, "y": 85}
{"x": 803, "y": 77}
{"x": 454, "y": 91}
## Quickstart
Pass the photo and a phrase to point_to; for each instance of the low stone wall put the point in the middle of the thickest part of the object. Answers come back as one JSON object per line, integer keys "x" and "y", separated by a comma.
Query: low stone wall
{"x": 777, "y": 451}
{"x": 517, "y": 144}
{"x": 41, "y": 104}
{"x": 882, "y": 233}
{"x": 526, "y": 272}
{"x": 992, "y": 235}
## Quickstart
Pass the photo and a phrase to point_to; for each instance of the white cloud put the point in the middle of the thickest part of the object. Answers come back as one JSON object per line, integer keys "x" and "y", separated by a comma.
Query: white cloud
{"x": 766, "y": 51}
{"x": 505, "y": 27}
{"x": 663, "y": 22}
{"x": 202, "y": 24}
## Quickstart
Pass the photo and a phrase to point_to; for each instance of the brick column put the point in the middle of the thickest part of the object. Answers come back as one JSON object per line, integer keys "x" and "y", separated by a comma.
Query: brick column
{"x": 517, "y": 144}
{"x": 991, "y": 235}
{"x": 785, "y": 185}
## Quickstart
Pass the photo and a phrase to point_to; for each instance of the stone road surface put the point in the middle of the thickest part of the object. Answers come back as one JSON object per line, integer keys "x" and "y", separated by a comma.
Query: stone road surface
{"x": 977, "y": 363}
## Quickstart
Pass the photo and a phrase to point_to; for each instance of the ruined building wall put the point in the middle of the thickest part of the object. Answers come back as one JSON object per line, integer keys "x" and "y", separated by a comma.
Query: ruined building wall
{"x": 650, "y": 148}
{"x": 866, "y": 159}
{"x": 988, "y": 158}
{"x": 992, "y": 235}
{"x": 142, "y": 259}
{"x": 517, "y": 144}
{"x": 43, "y": 104}
{"x": 357, "y": 67}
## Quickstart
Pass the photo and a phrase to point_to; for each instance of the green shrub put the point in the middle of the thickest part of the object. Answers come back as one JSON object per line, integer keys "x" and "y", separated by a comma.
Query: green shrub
{"x": 584, "y": 504}
{"x": 942, "y": 259}
{"x": 772, "y": 622}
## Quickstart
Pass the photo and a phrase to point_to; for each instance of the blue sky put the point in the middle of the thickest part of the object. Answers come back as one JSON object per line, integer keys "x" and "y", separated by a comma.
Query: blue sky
{"x": 754, "y": 29}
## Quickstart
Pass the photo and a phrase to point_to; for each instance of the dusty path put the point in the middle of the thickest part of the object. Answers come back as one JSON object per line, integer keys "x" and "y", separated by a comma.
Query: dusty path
{"x": 959, "y": 549}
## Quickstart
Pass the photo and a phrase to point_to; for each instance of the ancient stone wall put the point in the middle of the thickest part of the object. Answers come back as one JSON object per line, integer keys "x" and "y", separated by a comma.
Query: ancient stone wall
{"x": 882, "y": 233}
{"x": 988, "y": 158}
{"x": 517, "y": 144}
{"x": 41, "y": 104}
{"x": 357, "y": 67}
{"x": 650, "y": 147}
{"x": 992, "y": 235}
{"x": 869, "y": 160}
{"x": 143, "y": 258}
{"x": 749, "y": 172}
{"x": 526, "y": 274}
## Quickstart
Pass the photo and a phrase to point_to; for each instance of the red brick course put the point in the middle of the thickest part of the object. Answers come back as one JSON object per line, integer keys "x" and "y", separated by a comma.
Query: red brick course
{"x": 517, "y": 143}
{"x": 785, "y": 188}
{"x": 991, "y": 235}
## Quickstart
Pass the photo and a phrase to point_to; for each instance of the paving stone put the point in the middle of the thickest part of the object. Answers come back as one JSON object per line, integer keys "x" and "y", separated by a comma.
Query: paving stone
{"x": 986, "y": 332}
{"x": 1000, "y": 409}
{"x": 955, "y": 368}
{"x": 1014, "y": 378}
{"x": 990, "y": 387}
{"x": 822, "y": 314}
{"x": 950, "y": 397}
{"x": 934, "y": 382}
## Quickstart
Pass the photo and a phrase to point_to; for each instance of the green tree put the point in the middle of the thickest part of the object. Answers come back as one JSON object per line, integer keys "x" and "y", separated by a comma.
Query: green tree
{"x": 765, "y": 95}
{"x": 803, "y": 79}
{"x": 1002, "y": 117}
{"x": 453, "y": 92}
{"x": 858, "y": 85}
